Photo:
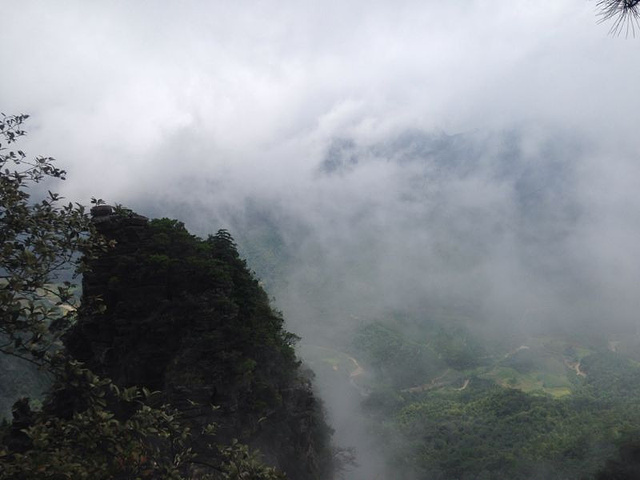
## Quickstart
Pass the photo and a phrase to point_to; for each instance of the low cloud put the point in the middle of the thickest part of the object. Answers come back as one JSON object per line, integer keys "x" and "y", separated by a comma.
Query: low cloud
{"x": 479, "y": 156}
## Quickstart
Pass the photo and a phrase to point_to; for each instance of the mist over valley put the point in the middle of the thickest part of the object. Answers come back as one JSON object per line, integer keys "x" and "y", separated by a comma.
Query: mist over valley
{"x": 367, "y": 241}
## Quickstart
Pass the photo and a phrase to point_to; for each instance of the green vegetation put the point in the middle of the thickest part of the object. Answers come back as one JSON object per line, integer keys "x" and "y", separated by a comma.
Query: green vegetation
{"x": 535, "y": 407}
{"x": 185, "y": 316}
{"x": 397, "y": 361}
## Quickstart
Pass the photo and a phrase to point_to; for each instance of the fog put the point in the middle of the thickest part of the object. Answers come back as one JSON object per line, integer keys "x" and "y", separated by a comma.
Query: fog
{"x": 475, "y": 157}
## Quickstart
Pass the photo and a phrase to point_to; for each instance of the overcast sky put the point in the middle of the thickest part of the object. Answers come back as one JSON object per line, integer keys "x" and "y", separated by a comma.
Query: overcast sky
{"x": 185, "y": 108}
{"x": 128, "y": 94}
{"x": 181, "y": 107}
{"x": 202, "y": 103}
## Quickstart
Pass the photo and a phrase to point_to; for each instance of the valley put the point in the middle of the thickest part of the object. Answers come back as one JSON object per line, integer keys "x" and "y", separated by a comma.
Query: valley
{"x": 530, "y": 406}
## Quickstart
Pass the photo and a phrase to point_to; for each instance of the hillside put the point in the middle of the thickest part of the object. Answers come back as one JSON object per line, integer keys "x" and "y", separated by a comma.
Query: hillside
{"x": 452, "y": 403}
{"x": 186, "y": 317}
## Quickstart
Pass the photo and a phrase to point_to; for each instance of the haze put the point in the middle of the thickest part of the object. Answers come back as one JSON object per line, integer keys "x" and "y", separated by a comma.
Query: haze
{"x": 478, "y": 156}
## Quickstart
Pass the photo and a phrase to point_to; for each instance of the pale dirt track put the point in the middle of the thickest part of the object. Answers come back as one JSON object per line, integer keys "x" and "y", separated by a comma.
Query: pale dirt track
{"x": 576, "y": 368}
{"x": 435, "y": 383}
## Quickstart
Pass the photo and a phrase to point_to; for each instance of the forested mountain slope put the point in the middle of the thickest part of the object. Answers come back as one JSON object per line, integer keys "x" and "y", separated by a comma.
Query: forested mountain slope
{"x": 185, "y": 316}
{"x": 453, "y": 403}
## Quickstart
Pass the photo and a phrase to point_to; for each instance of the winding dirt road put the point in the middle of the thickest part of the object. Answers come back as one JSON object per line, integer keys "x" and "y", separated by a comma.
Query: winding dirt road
{"x": 353, "y": 376}
{"x": 575, "y": 366}
{"x": 465, "y": 385}
{"x": 358, "y": 371}
{"x": 436, "y": 382}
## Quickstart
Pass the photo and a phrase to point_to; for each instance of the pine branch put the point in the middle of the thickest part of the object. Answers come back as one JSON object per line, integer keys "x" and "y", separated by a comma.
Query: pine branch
{"x": 625, "y": 15}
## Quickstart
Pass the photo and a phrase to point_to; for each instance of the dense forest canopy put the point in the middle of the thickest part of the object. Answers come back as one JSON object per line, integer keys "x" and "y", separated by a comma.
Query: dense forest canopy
{"x": 535, "y": 406}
